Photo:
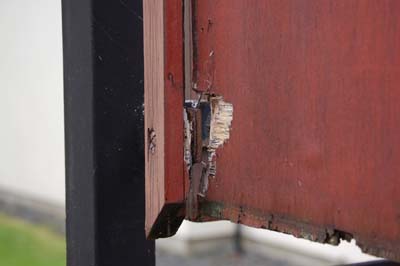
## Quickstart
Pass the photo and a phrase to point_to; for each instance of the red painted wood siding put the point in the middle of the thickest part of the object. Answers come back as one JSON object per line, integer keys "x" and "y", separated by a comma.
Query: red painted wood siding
{"x": 315, "y": 139}
{"x": 314, "y": 148}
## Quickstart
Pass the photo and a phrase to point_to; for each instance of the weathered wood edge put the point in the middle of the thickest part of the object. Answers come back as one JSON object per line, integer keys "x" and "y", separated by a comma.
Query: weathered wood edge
{"x": 164, "y": 95}
{"x": 329, "y": 234}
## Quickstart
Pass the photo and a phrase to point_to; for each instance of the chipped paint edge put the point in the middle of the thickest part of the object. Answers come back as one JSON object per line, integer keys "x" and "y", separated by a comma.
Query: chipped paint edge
{"x": 326, "y": 234}
{"x": 220, "y": 127}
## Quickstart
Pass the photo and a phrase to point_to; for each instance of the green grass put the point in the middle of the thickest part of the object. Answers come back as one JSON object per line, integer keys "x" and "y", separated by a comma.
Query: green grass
{"x": 24, "y": 244}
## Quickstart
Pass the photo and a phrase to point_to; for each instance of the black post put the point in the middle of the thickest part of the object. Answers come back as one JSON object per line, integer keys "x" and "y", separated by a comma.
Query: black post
{"x": 103, "y": 91}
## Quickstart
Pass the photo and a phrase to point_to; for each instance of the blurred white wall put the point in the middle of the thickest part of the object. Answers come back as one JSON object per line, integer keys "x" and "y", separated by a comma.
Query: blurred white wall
{"x": 31, "y": 99}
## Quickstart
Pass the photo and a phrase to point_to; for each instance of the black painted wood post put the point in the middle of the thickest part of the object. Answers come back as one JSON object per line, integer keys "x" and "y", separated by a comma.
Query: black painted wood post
{"x": 103, "y": 93}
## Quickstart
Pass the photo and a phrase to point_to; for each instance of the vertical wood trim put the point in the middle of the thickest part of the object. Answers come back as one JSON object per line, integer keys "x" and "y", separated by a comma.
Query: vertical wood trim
{"x": 164, "y": 96}
{"x": 153, "y": 29}
{"x": 174, "y": 99}
{"x": 188, "y": 47}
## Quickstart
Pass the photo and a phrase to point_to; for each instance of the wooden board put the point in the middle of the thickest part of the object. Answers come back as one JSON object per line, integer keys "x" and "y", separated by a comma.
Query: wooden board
{"x": 163, "y": 61}
{"x": 314, "y": 146}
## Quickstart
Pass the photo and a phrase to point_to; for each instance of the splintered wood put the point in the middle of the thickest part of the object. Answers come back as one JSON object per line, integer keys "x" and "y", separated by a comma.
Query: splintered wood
{"x": 200, "y": 149}
{"x": 220, "y": 126}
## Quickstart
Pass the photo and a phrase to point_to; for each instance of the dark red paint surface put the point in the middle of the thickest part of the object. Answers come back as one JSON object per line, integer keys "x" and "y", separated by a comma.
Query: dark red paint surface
{"x": 173, "y": 93}
{"x": 315, "y": 139}
{"x": 164, "y": 96}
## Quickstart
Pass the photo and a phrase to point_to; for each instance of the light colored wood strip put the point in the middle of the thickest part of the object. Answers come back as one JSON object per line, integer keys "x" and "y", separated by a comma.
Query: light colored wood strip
{"x": 153, "y": 16}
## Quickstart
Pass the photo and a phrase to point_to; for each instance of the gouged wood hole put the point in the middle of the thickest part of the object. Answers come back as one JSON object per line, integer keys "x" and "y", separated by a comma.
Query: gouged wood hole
{"x": 218, "y": 125}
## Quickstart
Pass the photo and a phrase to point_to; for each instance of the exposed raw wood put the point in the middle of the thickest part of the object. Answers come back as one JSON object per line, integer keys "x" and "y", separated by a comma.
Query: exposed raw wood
{"x": 220, "y": 127}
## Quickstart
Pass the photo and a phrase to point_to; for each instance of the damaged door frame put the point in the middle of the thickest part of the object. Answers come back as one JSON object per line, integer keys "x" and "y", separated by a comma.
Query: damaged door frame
{"x": 173, "y": 189}
{"x": 173, "y": 194}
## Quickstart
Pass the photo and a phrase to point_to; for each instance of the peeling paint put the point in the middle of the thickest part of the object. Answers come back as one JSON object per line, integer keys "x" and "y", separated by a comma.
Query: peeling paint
{"x": 187, "y": 141}
{"x": 220, "y": 126}
{"x": 207, "y": 131}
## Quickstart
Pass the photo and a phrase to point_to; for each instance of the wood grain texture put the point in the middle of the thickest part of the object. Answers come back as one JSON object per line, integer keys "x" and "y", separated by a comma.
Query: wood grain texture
{"x": 163, "y": 54}
{"x": 315, "y": 140}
